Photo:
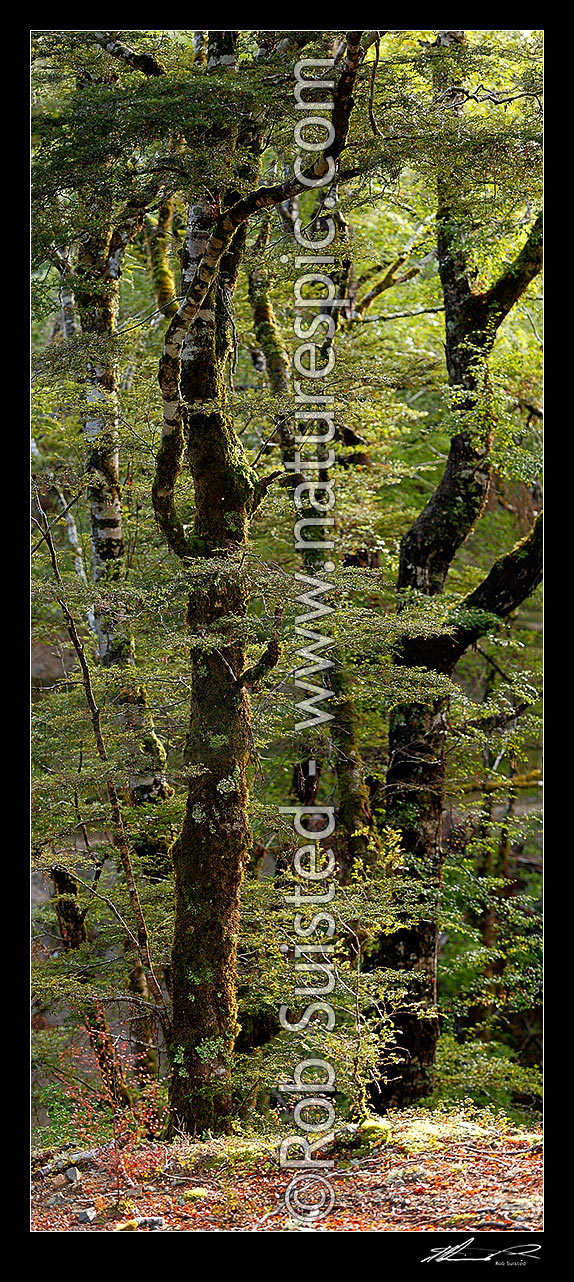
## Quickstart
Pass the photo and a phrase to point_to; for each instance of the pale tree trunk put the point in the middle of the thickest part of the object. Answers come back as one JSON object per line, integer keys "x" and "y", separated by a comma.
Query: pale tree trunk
{"x": 97, "y": 302}
{"x": 98, "y": 274}
{"x": 72, "y": 919}
{"x": 70, "y": 915}
{"x": 147, "y": 781}
{"x": 89, "y": 294}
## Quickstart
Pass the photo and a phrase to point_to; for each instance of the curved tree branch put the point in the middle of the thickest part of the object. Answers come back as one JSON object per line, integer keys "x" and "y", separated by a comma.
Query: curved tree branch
{"x": 144, "y": 62}
{"x": 501, "y": 297}
{"x": 510, "y": 581}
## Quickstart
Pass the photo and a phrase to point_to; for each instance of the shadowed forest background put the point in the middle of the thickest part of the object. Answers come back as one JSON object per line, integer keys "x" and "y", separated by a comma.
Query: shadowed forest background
{"x": 165, "y": 462}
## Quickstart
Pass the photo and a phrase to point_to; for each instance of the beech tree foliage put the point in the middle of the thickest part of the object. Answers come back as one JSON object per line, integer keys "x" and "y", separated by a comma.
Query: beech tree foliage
{"x": 171, "y": 201}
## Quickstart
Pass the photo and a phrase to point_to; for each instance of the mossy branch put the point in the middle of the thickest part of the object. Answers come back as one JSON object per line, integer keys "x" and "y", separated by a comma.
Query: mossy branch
{"x": 501, "y": 297}
{"x": 168, "y": 467}
{"x": 390, "y": 279}
{"x": 510, "y": 581}
{"x": 262, "y": 487}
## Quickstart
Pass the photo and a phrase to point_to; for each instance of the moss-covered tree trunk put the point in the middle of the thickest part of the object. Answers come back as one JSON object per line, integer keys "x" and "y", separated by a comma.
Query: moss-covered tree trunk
{"x": 415, "y": 786}
{"x": 210, "y": 853}
{"x": 209, "y": 858}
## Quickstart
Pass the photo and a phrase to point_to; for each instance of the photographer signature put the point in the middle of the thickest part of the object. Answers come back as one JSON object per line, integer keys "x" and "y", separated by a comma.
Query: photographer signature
{"x": 462, "y": 1252}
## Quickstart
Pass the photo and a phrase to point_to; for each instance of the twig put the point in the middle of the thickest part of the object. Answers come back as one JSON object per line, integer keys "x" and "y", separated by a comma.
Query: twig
{"x": 494, "y": 665}
{"x": 269, "y": 438}
{"x": 421, "y": 311}
{"x": 105, "y": 900}
{"x": 56, "y": 518}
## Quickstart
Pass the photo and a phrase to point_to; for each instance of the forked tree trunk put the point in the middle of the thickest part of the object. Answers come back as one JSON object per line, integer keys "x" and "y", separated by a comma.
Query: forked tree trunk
{"x": 209, "y": 864}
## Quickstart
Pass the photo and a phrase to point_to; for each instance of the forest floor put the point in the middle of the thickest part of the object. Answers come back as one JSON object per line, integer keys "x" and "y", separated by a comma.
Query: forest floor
{"x": 435, "y": 1172}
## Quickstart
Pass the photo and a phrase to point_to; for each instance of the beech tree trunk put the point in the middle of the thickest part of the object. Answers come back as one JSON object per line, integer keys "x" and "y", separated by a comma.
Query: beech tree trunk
{"x": 209, "y": 859}
{"x": 98, "y": 273}
{"x": 417, "y": 737}
{"x": 415, "y": 802}
{"x": 210, "y": 854}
